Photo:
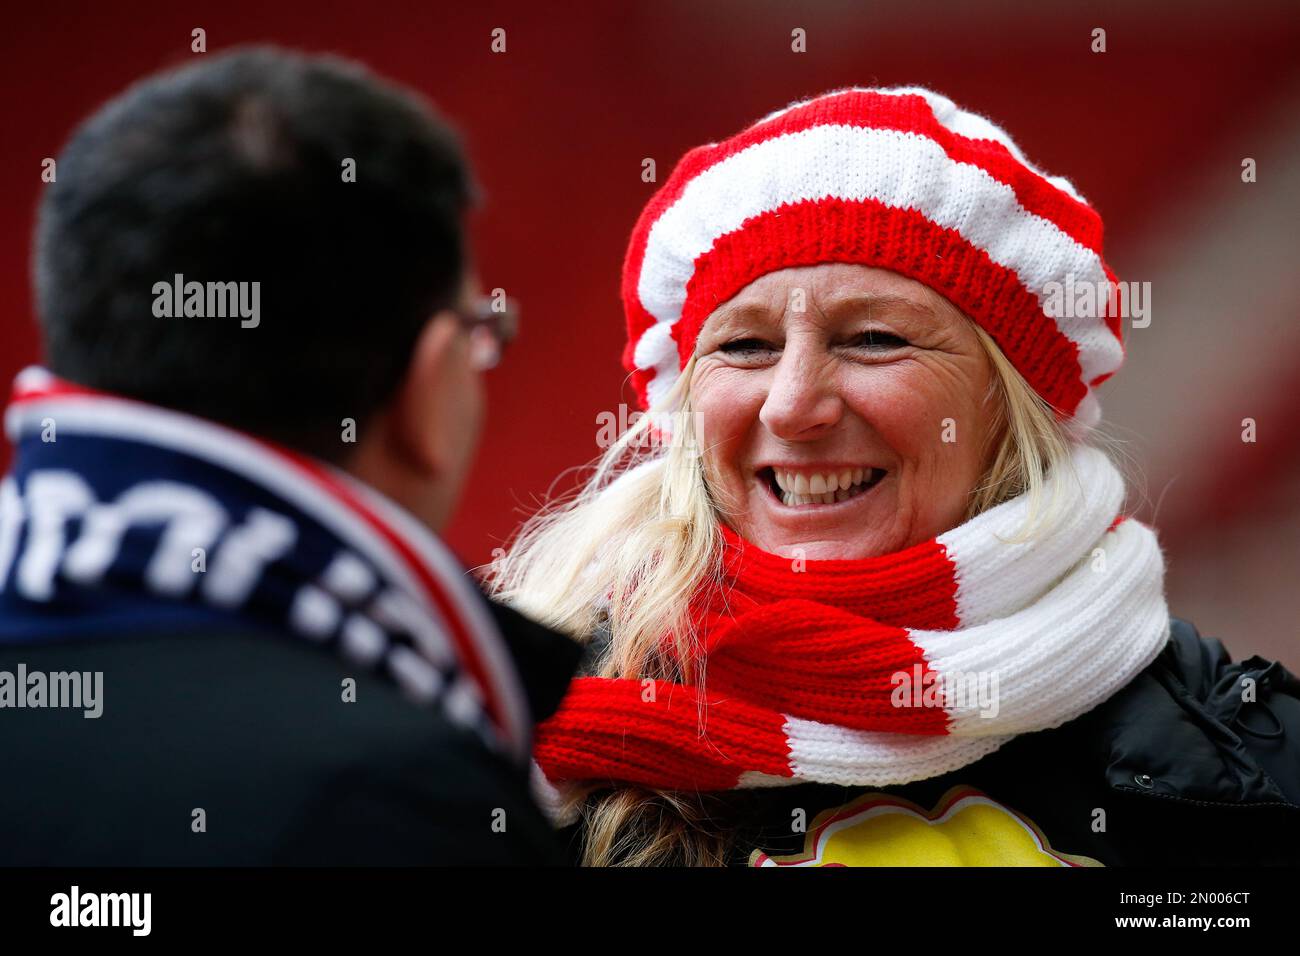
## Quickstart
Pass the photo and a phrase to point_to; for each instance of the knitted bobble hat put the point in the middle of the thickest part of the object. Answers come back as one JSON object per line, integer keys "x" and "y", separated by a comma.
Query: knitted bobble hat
{"x": 900, "y": 179}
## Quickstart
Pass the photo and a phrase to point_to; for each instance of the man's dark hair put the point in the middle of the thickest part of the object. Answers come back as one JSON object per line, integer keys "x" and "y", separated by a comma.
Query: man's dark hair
{"x": 231, "y": 170}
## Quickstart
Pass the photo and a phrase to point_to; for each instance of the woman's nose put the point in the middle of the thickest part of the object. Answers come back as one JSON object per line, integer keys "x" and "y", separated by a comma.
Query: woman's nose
{"x": 803, "y": 400}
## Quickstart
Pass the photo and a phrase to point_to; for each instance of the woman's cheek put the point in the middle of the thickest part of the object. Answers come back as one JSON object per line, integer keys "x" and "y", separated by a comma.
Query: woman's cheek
{"x": 915, "y": 411}
{"x": 725, "y": 401}
{"x": 722, "y": 414}
{"x": 895, "y": 407}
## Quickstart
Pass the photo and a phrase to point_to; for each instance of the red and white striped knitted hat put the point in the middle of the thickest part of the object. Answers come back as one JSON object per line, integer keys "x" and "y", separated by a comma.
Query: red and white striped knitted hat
{"x": 901, "y": 179}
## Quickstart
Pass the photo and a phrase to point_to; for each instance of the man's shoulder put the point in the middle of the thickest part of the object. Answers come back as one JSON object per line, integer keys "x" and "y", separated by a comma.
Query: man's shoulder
{"x": 291, "y": 753}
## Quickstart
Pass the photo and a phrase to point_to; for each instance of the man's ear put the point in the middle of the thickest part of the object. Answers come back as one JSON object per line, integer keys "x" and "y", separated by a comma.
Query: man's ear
{"x": 420, "y": 403}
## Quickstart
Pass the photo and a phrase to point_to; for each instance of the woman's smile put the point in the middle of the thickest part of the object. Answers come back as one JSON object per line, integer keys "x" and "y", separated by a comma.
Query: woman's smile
{"x": 818, "y": 487}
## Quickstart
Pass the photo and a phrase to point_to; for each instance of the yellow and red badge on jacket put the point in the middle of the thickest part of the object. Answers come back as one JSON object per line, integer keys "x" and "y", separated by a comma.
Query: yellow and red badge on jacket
{"x": 966, "y": 828}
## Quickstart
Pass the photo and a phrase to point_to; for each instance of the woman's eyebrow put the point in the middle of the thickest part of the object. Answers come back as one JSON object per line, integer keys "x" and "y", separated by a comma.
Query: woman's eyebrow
{"x": 871, "y": 301}
{"x": 835, "y": 306}
{"x": 742, "y": 313}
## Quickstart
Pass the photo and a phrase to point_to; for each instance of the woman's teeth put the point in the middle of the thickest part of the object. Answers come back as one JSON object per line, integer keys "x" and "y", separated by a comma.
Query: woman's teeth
{"x": 799, "y": 488}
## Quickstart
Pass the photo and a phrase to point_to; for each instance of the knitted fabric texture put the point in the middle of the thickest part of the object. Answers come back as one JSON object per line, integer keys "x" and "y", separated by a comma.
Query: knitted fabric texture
{"x": 900, "y": 179}
{"x": 864, "y": 672}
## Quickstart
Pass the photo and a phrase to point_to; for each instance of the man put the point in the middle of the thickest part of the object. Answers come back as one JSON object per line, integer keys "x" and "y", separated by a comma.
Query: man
{"x": 228, "y": 633}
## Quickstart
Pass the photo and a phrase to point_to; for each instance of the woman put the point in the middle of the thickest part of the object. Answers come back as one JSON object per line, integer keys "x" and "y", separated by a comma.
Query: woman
{"x": 858, "y": 590}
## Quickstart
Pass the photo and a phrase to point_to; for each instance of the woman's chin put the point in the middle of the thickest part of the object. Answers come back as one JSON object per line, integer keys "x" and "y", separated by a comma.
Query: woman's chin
{"x": 832, "y": 549}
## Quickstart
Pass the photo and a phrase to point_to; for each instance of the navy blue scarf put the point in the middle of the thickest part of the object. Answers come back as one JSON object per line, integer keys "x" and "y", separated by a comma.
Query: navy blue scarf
{"x": 120, "y": 518}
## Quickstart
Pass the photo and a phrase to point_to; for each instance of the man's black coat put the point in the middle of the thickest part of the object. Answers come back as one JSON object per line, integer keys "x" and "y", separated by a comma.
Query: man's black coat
{"x": 252, "y": 730}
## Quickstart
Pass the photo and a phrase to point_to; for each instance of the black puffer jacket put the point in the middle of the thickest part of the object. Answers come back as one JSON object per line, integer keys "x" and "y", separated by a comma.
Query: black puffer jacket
{"x": 1174, "y": 769}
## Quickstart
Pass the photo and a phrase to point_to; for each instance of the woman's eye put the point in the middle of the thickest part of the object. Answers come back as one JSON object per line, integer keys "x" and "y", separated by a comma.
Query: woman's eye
{"x": 745, "y": 346}
{"x": 878, "y": 340}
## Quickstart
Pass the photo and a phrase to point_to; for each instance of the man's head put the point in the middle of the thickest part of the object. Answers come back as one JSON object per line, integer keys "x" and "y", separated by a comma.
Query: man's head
{"x": 340, "y": 196}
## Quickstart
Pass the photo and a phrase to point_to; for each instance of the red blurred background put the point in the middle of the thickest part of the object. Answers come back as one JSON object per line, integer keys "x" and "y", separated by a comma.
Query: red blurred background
{"x": 1153, "y": 132}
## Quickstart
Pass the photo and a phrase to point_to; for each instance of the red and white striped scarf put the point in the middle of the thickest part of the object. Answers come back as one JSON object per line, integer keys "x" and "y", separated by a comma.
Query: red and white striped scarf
{"x": 878, "y": 672}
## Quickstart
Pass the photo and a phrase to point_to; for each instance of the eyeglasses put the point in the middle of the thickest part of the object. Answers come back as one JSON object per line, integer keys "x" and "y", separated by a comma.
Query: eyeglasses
{"x": 492, "y": 321}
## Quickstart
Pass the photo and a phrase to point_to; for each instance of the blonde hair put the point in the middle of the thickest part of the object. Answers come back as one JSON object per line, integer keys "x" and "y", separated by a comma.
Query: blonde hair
{"x": 641, "y": 536}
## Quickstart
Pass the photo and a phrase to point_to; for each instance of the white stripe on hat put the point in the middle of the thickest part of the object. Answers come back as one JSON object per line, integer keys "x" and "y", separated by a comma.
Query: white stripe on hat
{"x": 951, "y": 117}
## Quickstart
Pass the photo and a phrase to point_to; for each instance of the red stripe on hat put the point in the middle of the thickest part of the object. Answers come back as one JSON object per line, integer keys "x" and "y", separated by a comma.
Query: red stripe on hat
{"x": 903, "y": 241}
{"x": 1114, "y": 318}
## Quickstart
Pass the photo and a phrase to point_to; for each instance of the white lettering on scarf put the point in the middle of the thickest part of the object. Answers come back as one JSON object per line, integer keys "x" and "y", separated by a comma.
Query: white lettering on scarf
{"x": 190, "y": 518}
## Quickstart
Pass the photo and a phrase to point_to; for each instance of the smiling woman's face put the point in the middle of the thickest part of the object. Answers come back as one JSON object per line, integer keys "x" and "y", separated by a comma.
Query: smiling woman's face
{"x": 878, "y": 384}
